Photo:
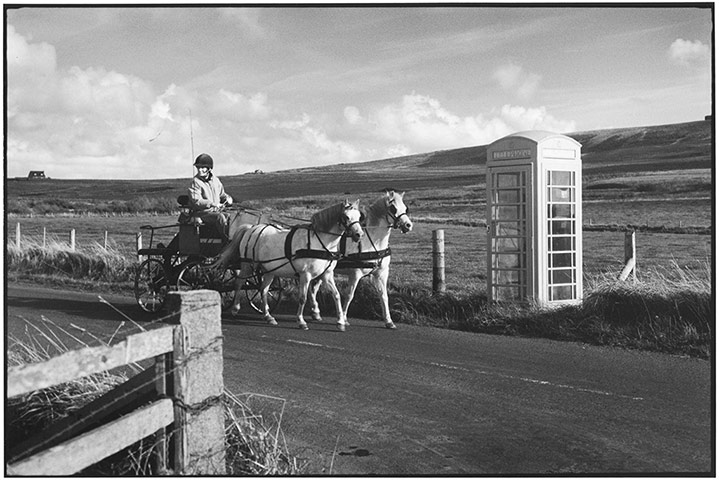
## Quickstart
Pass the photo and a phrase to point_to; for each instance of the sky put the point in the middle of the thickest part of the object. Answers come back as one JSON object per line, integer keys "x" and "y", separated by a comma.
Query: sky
{"x": 138, "y": 92}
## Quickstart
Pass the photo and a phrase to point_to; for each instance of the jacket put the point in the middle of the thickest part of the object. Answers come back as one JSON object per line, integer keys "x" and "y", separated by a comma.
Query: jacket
{"x": 203, "y": 193}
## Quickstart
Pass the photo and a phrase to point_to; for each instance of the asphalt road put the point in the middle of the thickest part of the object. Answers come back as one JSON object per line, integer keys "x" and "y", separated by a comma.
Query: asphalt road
{"x": 424, "y": 401}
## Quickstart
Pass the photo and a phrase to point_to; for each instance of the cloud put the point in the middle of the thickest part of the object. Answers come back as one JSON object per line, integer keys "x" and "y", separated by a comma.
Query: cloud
{"x": 420, "y": 123}
{"x": 93, "y": 122}
{"x": 686, "y": 52}
{"x": 515, "y": 79}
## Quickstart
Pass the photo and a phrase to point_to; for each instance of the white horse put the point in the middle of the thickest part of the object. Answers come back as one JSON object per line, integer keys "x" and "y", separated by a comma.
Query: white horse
{"x": 371, "y": 256}
{"x": 305, "y": 251}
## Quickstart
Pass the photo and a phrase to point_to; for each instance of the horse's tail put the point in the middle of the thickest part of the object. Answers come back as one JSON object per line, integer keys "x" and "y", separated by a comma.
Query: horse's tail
{"x": 232, "y": 249}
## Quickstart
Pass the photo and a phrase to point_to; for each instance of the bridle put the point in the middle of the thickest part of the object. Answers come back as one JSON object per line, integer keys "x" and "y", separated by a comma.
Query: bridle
{"x": 347, "y": 225}
{"x": 392, "y": 214}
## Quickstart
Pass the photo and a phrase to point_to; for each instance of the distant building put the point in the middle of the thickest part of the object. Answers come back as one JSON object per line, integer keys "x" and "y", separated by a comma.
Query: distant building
{"x": 36, "y": 175}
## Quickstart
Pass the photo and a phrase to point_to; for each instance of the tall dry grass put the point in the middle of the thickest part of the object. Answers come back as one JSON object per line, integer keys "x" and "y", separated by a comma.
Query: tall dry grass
{"x": 56, "y": 262}
{"x": 253, "y": 446}
{"x": 667, "y": 310}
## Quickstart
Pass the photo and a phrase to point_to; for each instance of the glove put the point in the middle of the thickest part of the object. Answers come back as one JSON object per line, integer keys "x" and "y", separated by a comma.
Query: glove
{"x": 228, "y": 200}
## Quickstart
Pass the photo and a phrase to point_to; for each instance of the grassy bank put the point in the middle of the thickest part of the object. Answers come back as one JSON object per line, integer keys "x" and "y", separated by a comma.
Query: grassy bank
{"x": 668, "y": 310}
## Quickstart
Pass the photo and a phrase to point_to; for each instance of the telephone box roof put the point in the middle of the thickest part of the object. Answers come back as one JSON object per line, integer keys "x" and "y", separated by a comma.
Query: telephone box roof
{"x": 537, "y": 136}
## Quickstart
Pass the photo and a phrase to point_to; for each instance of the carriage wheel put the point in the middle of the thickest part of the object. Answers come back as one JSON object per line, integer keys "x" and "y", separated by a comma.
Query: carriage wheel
{"x": 274, "y": 294}
{"x": 192, "y": 276}
{"x": 151, "y": 285}
{"x": 226, "y": 288}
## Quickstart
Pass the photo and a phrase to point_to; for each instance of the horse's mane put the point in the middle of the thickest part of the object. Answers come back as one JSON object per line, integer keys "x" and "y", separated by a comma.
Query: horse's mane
{"x": 325, "y": 219}
{"x": 379, "y": 206}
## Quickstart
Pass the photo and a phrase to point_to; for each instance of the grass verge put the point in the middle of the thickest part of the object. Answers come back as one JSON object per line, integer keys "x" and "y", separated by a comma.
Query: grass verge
{"x": 667, "y": 310}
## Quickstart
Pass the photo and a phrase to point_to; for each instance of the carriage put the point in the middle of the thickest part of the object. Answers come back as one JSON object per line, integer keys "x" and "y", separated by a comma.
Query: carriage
{"x": 264, "y": 253}
{"x": 184, "y": 263}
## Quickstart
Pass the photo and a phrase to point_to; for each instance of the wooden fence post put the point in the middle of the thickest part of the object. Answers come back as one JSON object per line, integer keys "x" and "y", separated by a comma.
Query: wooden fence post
{"x": 438, "y": 283}
{"x": 198, "y": 385}
{"x": 17, "y": 235}
{"x": 105, "y": 244}
{"x": 72, "y": 239}
{"x": 44, "y": 237}
{"x": 630, "y": 256}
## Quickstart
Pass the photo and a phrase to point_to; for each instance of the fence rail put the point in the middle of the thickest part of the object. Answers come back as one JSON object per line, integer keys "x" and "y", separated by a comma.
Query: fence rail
{"x": 181, "y": 407}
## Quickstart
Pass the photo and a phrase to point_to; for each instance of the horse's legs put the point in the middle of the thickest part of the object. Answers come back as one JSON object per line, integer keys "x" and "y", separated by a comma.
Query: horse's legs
{"x": 353, "y": 278}
{"x": 303, "y": 287}
{"x": 264, "y": 288}
{"x": 379, "y": 278}
{"x": 314, "y": 288}
{"x": 245, "y": 272}
{"x": 329, "y": 278}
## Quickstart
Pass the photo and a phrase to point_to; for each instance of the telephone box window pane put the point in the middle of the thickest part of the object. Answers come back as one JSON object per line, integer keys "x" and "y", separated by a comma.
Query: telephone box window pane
{"x": 562, "y": 276}
{"x": 508, "y": 260}
{"x": 507, "y": 277}
{"x": 561, "y": 195}
{"x": 561, "y": 227}
{"x": 561, "y": 244}
{"x": 509, "y": 180}
{"x": 562, "y": 260}
{"x": 508, "y": 245}
{"x": 561, "y": 210}
{"x": 508, "y": 196}
{"x": 507, "y": 293}
{"x": 560, "y": 178}
{"x": 562, "y": 293}
{"x": 508, "y": 229}
{"x": 505, "y": 212}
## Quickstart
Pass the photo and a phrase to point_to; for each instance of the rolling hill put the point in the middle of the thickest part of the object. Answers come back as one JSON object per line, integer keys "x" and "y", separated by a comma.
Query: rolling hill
{"x": 606, "y": 153}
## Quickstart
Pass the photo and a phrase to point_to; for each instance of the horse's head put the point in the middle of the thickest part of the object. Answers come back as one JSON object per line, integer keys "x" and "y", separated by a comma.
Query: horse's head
{"x": 398, "y": 212}
{"x": 350, "y": 220}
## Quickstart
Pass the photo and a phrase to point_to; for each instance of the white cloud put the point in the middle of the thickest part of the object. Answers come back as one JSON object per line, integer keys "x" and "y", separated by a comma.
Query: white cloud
{"x": 515, "y": 79}
{"x": 420, "y": 123}
{"x": 518, "y": 118}
{"x": 96, "y": 123}
{"x": 686, "y": 52}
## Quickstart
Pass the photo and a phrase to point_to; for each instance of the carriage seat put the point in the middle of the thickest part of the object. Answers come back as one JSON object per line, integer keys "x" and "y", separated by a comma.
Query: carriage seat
{"x": 186, "y": 217}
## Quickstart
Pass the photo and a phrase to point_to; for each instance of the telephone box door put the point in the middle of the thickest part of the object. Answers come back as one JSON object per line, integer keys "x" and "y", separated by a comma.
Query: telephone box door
{"x": 510, "y": 198}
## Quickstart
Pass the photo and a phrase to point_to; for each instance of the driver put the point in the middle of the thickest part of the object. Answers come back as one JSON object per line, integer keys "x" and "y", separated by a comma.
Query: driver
{"x": 208, "y": 196}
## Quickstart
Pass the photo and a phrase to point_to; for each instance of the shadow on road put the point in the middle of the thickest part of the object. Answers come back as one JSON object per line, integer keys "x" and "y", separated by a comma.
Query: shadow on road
{"x": 88, "y": 309}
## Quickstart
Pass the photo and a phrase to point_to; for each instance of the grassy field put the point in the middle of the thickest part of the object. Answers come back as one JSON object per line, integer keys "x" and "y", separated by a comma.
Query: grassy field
{"x": 657, "y": 180}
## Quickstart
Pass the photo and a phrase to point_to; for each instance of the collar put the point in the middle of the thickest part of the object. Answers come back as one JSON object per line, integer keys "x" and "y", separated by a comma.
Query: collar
{"x": 209, "y": 177}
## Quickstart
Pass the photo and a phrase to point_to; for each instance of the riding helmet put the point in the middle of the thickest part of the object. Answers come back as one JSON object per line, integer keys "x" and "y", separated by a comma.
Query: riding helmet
{"x": 204, "y": 160}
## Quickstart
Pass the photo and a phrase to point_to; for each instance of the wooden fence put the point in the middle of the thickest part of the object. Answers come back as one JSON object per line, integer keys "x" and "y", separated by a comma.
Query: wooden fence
{"x": 177, "y": 400}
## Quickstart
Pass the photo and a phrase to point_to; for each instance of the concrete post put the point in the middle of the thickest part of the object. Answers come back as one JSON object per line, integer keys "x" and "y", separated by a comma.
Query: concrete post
{"x": 198, "y": 383}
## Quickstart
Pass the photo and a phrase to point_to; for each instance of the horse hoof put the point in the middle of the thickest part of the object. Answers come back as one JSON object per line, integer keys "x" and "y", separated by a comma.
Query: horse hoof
{"x": 303, "y": 326}
{"x": 272, "y": 321}
{"x": 317, "y": 318}
{"x": 390, "y": 326}
{"x": 341, "y": 327}
{"x": 235, "y": 312}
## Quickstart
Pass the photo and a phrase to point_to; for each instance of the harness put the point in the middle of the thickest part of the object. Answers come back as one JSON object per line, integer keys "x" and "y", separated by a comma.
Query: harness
{"x": 361, "y": 259}
{"x": 325, "y": 254}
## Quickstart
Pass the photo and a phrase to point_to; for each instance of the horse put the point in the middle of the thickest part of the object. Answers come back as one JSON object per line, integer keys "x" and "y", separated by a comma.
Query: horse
{"x": 370, "y": 257}
{"x": 306, "y": 251}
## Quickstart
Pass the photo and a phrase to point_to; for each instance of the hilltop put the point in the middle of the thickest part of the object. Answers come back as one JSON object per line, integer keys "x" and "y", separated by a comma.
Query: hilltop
{"x": 608, "y": 153}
